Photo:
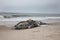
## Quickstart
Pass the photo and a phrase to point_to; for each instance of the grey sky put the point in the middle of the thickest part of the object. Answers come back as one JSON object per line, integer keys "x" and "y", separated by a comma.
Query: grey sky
{"x": 30, "y": 6}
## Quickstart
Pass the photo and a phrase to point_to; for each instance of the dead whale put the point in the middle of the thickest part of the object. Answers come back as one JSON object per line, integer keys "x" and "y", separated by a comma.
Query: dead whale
{"x": 28, "y": 24}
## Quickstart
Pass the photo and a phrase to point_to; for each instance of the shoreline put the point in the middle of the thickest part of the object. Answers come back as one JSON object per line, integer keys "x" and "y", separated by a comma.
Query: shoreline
{"x": 44, "y": 32}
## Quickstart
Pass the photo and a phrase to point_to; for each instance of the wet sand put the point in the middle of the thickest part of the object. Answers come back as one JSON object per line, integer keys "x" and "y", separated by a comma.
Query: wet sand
{"x": 44, "y": 32}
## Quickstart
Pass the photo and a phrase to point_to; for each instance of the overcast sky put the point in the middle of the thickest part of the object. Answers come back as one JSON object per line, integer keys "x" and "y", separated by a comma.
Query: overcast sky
{"x": 30, "y": 6}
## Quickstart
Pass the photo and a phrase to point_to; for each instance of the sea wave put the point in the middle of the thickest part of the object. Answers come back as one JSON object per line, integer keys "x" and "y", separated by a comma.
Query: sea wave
{"x": 16, "y": 20}
{"x": 26, "y": 18}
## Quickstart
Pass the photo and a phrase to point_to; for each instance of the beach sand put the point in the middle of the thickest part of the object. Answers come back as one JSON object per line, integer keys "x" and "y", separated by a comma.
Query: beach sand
{"x": 44, "y": 32}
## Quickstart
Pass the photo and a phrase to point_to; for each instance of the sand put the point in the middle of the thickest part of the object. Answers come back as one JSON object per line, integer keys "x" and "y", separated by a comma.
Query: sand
{"x": 44, "y": 32}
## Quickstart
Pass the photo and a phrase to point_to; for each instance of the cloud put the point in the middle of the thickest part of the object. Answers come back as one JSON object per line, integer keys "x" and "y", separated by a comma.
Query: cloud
{"x": 29, "y": 5}
{"x": 21, "y": 2}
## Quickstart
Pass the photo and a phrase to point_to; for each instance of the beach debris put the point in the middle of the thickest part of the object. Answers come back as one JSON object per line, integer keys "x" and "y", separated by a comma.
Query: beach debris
{"x": 28, "y": 24}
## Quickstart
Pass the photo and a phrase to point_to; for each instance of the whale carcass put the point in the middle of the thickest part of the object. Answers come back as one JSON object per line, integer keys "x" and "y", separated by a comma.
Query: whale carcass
{"x": 28, "y": 24}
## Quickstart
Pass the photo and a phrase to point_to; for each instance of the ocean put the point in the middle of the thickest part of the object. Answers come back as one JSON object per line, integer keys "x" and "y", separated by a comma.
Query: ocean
{"x": 47, "y": 18}
{"x": 32, "y": 14}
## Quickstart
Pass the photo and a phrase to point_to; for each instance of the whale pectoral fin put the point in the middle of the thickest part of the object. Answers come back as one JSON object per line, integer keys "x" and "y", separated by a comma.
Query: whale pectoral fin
{"x": 29, "y": 27}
